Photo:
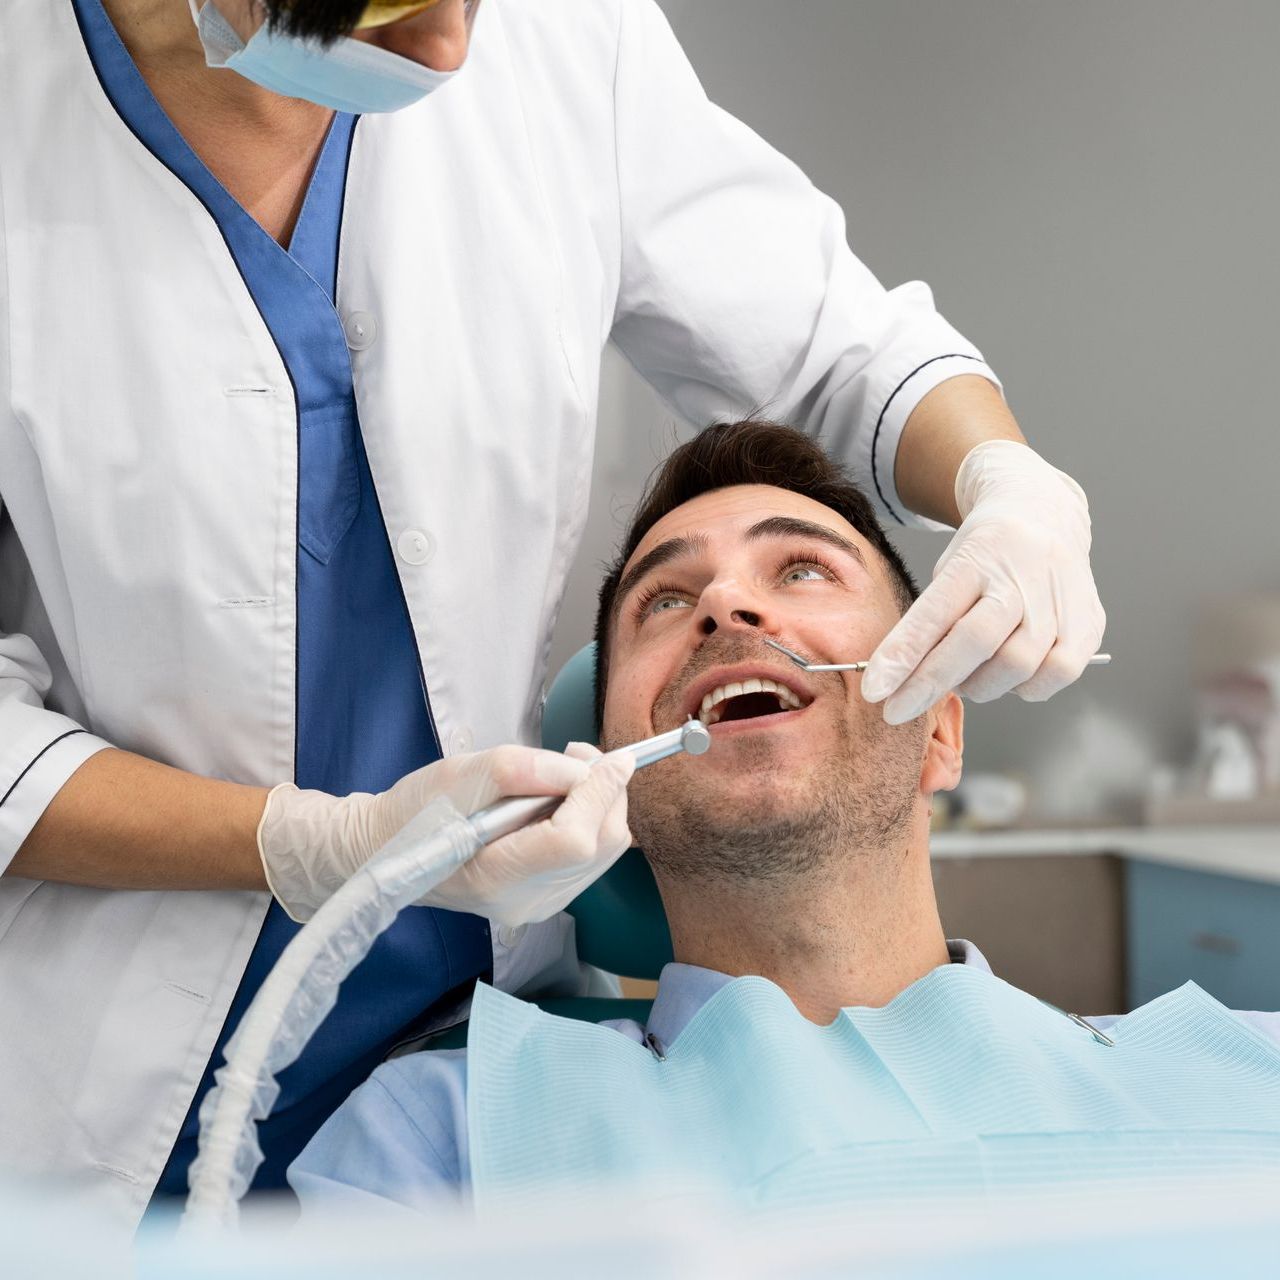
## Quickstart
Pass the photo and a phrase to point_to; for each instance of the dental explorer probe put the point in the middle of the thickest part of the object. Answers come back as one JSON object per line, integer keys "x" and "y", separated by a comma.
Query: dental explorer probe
{"x": 506, "y": 816}
{"x": 1098, "y": 660}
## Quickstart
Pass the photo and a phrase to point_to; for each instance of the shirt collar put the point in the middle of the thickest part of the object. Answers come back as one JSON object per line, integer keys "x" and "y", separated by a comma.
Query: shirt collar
{"x": 964, "y": 952}
{"x": 684, "y": 988}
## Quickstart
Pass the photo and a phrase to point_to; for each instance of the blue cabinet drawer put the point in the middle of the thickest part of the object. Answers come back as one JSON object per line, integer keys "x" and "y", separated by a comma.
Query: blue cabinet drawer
{"x": 1218, "y": 931}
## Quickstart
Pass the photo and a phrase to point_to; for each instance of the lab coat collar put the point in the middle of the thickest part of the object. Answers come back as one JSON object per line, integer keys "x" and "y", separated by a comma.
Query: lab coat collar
{"x": 684, "y": 988}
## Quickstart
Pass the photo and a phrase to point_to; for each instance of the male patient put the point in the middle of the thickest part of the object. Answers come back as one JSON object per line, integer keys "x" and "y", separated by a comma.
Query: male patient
{"x": 858, "y": 1053}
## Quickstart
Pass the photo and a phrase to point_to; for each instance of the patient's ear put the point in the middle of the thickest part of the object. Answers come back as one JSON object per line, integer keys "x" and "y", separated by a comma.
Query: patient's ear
{"x": 944, "y": 747}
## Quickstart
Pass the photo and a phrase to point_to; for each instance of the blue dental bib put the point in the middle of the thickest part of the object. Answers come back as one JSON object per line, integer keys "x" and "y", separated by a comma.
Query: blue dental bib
{"x": 962, "y": 1084}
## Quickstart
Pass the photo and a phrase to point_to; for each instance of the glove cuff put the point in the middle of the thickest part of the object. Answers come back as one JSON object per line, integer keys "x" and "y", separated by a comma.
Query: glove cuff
{"x": 995, "y": 464}
{"x": 302, "y": 846}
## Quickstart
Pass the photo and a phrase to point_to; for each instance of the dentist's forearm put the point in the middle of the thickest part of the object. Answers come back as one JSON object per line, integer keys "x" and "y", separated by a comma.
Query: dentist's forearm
{"x": 954, "y": 417}
{"x": 122, "y": 821}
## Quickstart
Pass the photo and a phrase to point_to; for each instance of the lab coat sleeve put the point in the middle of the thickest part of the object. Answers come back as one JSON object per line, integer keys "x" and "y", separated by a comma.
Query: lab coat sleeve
{"x": 738, "y": 294}
{"x": 400, "y": 1139}
{"x": 39, "y": 749}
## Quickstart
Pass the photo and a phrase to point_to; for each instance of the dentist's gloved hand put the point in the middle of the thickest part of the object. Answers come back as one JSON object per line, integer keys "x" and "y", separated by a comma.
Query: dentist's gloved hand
{"x": 1012, "y": 604}
{"x": 311, "y": 842}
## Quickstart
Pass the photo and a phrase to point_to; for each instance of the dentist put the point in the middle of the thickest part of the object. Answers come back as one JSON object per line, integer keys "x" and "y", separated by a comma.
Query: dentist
{"x": 301, "y": 312}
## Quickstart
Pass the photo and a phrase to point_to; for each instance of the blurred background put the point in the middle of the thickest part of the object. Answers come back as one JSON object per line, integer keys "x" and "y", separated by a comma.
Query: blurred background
{"x": 1092, "y": 191}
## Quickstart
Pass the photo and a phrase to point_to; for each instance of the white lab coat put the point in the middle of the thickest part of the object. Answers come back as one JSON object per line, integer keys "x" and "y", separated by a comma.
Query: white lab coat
{"x": 572, "y": 184}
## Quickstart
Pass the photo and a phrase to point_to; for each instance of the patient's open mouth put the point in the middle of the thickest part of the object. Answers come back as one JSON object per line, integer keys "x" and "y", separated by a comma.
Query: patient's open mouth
{"x": 748, "y": 700}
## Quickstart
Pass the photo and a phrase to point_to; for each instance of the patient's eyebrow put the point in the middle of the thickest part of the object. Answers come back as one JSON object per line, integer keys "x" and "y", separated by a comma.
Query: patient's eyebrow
{"x": 673, "y": 549}
{"x": 792, "y": 527}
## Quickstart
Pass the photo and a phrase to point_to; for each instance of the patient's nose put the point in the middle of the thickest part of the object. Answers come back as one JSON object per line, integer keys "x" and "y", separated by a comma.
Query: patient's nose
{"x": 743, "y": 617}
{"x": 734, "y": 600}
{"x": 730, "y": 604}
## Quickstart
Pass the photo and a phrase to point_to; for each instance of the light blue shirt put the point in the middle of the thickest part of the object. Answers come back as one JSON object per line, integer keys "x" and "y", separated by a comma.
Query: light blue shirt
{"x": 402, "y": 1136}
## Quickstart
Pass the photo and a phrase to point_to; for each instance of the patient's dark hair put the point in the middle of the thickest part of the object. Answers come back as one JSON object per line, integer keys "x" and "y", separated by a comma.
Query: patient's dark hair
{"x": 734, "y": 453}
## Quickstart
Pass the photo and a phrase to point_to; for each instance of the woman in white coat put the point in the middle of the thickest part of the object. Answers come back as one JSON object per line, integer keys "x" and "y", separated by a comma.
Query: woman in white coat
{"x": 296, "y": 424}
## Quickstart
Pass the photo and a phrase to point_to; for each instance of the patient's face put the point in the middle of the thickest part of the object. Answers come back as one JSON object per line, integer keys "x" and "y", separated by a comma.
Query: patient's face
{"x": 794, "y": 754}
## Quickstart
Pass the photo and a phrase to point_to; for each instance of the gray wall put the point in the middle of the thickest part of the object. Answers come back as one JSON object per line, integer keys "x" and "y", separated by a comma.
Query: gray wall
{"x": 1091, "y": 188}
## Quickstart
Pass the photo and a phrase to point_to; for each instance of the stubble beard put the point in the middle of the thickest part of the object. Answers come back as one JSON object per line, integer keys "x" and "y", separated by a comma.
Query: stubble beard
{"x": 855, "y": 803}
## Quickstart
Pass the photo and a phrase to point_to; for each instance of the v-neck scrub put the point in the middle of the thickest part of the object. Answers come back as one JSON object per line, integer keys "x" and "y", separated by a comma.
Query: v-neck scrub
{"x": 363, "y": 715}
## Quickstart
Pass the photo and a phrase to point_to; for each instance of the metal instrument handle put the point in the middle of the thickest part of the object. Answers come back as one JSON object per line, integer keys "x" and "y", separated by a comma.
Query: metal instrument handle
{"x": 506, "y": 816}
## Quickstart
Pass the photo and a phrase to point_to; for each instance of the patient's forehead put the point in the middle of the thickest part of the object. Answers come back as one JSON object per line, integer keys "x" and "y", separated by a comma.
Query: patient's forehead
{"x": 725, "y": 515}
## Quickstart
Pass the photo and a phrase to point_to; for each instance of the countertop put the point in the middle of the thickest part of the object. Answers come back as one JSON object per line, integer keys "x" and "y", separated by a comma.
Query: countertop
{"x": 1245, "y": 852}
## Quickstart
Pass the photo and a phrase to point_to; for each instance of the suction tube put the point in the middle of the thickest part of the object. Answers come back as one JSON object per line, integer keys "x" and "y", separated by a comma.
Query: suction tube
{"x": 298, "y": 994}
{"x": 303, "y": 986}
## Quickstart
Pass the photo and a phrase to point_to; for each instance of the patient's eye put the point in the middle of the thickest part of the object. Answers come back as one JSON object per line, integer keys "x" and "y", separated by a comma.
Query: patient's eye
{"x": 659, "y": 598}
{"x": 807, "y": 569}
{"x": 803, "y": 573}
{"x": 665, "y": 604}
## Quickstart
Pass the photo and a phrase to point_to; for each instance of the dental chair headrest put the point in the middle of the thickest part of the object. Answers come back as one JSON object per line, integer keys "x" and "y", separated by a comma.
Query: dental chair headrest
{"x": 621, "y": 925}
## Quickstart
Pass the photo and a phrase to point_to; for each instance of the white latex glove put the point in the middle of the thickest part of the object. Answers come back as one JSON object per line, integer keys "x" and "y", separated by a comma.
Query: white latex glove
{"x": 1012, "y": 604}
{"x": 311, "y": 842}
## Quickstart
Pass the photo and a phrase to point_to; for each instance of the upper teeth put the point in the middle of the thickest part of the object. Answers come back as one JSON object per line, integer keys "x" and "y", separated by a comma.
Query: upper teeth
{"x": 709, "y": 712}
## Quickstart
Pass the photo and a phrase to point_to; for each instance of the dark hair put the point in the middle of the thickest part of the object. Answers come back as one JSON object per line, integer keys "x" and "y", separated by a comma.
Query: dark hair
{"x": 734, "y": 453}
{"x": 323, "y": 20}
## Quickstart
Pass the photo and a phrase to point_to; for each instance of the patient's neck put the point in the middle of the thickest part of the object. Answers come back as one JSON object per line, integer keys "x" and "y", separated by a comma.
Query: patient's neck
{"x": 855, "y": 931}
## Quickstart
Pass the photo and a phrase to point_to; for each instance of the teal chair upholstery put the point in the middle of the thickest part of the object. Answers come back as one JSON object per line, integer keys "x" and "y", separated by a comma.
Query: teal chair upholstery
{"x": 620, "y": 923}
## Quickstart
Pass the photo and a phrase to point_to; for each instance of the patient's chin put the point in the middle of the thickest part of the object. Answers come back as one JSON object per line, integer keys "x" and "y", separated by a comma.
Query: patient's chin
{"x": 747, "y": 828}
{"x": 752, "y": 814}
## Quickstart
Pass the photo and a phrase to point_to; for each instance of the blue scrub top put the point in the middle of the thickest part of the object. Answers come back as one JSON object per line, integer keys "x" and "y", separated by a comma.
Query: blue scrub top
{"x": 363, "y": 715}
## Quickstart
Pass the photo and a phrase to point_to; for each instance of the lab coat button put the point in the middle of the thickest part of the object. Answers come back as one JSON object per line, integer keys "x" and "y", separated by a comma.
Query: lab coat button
{"x": 361, "y": 330}
{"x": 509, "y": 934}
{"x": 460, "y": 742}
{"x": 415, "y": 546}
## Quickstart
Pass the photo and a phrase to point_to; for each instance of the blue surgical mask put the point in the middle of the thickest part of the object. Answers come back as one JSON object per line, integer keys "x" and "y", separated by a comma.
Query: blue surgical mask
{"x": 347, "y": 75}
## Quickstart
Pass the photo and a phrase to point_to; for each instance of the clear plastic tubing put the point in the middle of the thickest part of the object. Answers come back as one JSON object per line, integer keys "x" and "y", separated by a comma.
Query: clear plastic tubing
{"x": 303, "y": 986}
